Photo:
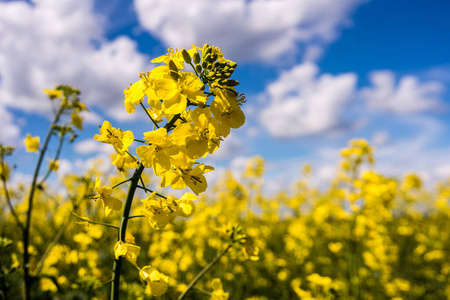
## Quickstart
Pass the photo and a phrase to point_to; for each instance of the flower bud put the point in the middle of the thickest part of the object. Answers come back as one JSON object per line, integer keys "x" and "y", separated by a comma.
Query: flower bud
{"x": 196, "y": 58}
{"x": 207, "y": 51}
{"x": 198, "y": 68}
{"x": 222, "y": 81}
{"x": 232, "y": 82}
{"x": 186, "y": 56}
{"x": 172, "y": 66}
{"x": 205, "y": 47}
{"x": 207, "y": 58}
{"x": 174, "y": 74}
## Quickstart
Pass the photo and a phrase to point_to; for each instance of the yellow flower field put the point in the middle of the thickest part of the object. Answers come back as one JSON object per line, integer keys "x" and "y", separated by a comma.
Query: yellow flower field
{"x": 100, "y": 236}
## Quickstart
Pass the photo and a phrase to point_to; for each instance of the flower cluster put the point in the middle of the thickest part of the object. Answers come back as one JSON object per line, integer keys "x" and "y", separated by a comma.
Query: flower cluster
{"x": 191, "y": 114}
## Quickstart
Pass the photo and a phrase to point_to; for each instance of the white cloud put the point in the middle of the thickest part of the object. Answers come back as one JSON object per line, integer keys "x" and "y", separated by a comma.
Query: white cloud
{"x": 408, "y": 96}
{"x": 380, "y": 138}
{"x": 90, "y": 146}
{"x": 229, "y": 147}
{"x": 302, "y": 103}
{"x": 10, "y": 131}
{"x": 248, "y": 30}
{"x": 417, "y": 153}
{"x": 48, "y": 42}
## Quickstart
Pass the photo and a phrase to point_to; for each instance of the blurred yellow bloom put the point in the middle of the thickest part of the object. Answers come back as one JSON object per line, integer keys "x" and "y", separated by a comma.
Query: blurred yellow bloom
{"x": 77, "y": 120}
{"x": 5, "y": 171}
{"x": 32, "y": 143}
{"x": 53, "y": 93}
{"x": 335, "y": 247}
{"x": 53, "y": 165}
{"x": 218, "y": 292}
{"x": 251, "y": 252}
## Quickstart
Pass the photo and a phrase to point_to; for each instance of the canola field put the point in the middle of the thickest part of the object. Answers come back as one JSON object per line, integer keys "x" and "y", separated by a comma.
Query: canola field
{"x": 114, "y": 235}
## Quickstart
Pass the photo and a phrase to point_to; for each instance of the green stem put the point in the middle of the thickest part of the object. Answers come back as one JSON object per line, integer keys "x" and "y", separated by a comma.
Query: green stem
{"x": 132, "y": 156}
{"x": 49, "y": 248}
{"x": 58, "y": 153}
{"x": 140, "y": 141}
{"x": 149, "y": 190}
{"x": 26, "y": 231}
{"x": 8, "y": 199}
{"x": 94, "y": 222}
{"x": 122, "y": 231}
{"x": 154, "y": 122}
{"x": 120, "y": 183}
{"x": 137, "y": 216}
{"x": 171, "y": 123}
{"x": 203, "y": 272}
{"x": 142, "y": 182}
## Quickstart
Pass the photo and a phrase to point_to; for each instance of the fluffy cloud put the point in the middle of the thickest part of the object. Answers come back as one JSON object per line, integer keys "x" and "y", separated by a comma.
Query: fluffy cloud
{"x": 300, "y": 102}
{"x": 48, "y": 42}
{"x": 409, "y": 95}
{"x": 249, "y": 30}
{"x": 10, "y": 131}
{"x": 91, "y": 146}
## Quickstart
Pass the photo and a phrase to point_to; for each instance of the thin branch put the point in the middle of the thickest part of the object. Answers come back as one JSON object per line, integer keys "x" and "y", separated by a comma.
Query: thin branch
{"x": 203, "y": 272}
{"x": 58, "y": 153}
{"x": 154, "y": 122}
{"x": 149, "y": 190}
{"x": 93, "y": 222}
{"x": 26, "y": 231}
{"x": 120, "y": 183}
{"x": 137, "y": 216}
{"x": 132, "y": 156}
{"x": 8, "y": 199}
{"x": 143, "y": 185}
{"x": 140, "y": 141}
{"x": 49, "y": 248}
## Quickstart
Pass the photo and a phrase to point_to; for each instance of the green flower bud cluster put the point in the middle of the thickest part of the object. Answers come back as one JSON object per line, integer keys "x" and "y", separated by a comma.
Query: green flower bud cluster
{"x": 212, "y": 66}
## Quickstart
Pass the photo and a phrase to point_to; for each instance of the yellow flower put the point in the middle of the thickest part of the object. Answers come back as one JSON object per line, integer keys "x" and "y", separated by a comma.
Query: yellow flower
{"x": 124, "y": 162}
{"x": 116, "y": 137}
{"x": 129, "y": 251}
{"x": 135, "y": 94}
{"x": 53, "y": 93}
{"x": 184, "y": 175}
{"x": 176, "y": 93}
{"x": 5, "y": 171}
{"x": 156, "y": 282}
{"x": 53, "y": 165}
{"x": 32, "y": 143}
{"x": 199, "y": 137}
{"x": 157, "y": 211}
{"x": 186, "y": 206}
{"x": 218, "y": 292}
{"x": 251, "y": 252}
{"x": 227, "y": 111}
{"x": 77, "y": 120}
{"x": 157, "y": 154}
{"x": 335, "y": 247}
{"x": 109, "y": 203}
{"x": 175, "y": 56}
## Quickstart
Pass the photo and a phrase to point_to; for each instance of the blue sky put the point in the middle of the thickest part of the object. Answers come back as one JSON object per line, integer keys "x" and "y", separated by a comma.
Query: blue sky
{"x": 316, "y": 74}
